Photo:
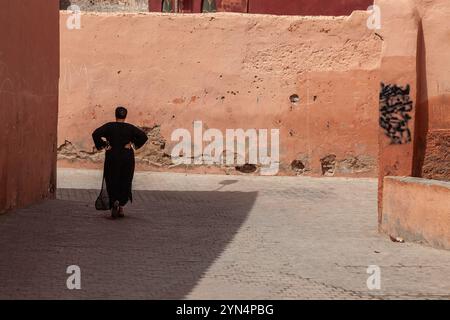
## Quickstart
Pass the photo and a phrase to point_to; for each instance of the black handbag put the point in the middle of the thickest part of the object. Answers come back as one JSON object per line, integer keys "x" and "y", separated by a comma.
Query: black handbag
{"x": 102, "y": 202}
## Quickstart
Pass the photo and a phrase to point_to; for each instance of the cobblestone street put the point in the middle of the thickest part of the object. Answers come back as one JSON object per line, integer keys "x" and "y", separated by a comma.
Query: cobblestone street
{"x": 214, "y": 237}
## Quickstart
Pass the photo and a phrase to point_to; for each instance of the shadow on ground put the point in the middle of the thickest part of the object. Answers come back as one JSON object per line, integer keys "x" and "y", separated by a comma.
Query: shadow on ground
{"x": 159, "y": 251}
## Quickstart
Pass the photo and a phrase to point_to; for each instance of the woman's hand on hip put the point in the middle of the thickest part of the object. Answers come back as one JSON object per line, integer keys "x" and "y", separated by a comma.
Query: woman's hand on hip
{"x": 129, "y": 146}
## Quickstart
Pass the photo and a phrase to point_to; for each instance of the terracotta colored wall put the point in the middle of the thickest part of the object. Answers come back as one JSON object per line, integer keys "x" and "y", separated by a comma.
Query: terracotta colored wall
{"x": 417, "y": 210}
{"x": 433, "y": 156}
{"x": 29, "y": 69}
{"x": 107, "y": 5}
{"x": 232, "y": 5}
{"x": 195, "y": 6}
{"x": 423, "y": 62}
{"x": 232, "y": 71}
{"x": 154, "y": 5}
{"x": 308, "y": 7}
{"x": 398, "y": 70}
{"x": 291, "y": 7}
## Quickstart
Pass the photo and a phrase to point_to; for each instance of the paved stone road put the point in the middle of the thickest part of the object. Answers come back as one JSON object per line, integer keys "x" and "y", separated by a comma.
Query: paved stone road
{"x": 214, "y": 237}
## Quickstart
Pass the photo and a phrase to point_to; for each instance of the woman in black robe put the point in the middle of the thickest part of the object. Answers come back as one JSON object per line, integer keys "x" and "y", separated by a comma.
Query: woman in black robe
{"x": 119, "y": 139}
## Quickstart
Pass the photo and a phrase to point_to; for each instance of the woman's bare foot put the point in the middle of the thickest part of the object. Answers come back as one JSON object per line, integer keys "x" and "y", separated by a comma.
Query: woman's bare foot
{"x": 121, "y": 212}
{"x": 115, "y": 210}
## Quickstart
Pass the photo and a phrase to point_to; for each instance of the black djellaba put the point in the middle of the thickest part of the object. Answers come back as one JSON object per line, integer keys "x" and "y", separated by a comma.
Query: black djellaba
{"x": 119, "y": 139}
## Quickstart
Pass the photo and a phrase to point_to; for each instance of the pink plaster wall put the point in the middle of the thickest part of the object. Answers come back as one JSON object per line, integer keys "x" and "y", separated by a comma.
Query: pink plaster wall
{"x": 417, "y": 210}
{"x": 291, "y": 7}
{"x": 399, "y": 65}
{"x": 29, "y": 69}
{"x": 308, "y": 7}
{"x": 229, "y": 71}
{"x": 416, "y": 51}
{"x": 433, "y": 149}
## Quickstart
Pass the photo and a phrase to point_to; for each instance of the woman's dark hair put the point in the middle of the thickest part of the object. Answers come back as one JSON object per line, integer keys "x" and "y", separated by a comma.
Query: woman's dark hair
{"x": 121, "y": 113}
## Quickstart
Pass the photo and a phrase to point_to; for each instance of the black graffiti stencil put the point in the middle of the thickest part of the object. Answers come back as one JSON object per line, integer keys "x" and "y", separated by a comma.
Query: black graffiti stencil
{"x": 395, "y": 105}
